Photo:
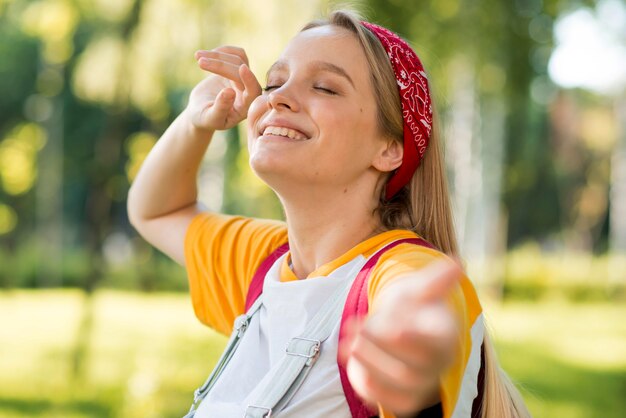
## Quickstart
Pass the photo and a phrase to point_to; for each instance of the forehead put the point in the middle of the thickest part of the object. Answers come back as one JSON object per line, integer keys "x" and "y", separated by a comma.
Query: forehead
{"x": 330, "y": 44}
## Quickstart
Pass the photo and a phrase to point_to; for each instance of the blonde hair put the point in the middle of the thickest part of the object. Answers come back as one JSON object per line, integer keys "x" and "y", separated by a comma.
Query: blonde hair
{"x": 423, "y": 205}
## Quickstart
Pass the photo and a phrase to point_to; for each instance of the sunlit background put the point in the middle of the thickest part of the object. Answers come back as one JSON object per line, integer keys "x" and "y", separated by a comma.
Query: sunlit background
{"x": 531, "y": 98}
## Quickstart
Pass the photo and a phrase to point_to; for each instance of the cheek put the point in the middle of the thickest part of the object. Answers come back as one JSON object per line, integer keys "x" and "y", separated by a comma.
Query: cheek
{"x": 349, "y": 127}
{"x": 355, "y": 139}
{"x": 255, "y": 111}
{"x": 368, "y": 116}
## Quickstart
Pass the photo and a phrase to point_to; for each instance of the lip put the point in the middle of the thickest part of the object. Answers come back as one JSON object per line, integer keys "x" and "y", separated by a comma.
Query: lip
{"x": 283, "y": 123}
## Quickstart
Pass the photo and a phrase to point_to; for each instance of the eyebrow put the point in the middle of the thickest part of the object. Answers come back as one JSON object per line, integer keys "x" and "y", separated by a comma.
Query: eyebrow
{"x": 315, "y": 65}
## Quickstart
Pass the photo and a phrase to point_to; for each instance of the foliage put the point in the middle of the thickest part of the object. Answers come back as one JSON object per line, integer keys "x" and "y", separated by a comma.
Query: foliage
{"x": 529, "y": 273}
{"x": 88, "y": 86}
{"x": 102, "y": 80}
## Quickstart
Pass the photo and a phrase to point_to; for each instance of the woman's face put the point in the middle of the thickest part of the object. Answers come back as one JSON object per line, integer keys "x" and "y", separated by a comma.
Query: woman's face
{"x": 316, "y": 124}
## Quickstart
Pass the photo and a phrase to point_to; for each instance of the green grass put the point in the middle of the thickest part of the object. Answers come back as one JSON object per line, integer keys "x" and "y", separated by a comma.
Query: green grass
{"x": 568, "y": 359}
{"x": 122, "y": 354}
{"x": 114, "y": 355}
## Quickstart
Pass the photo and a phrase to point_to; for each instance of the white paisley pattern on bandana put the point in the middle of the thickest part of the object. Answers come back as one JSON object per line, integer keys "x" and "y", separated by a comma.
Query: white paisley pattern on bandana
{"x": 417, "y": 111}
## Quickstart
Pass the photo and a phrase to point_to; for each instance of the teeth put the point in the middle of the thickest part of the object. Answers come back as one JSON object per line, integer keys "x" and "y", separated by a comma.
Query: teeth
{"x": 282, "y": 131}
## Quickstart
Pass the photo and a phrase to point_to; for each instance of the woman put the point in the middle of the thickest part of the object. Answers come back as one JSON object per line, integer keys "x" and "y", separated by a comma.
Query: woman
{"x": 342, "y": 133}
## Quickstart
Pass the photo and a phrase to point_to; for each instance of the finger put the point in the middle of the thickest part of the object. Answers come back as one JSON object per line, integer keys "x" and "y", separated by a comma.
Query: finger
{"x": 222, "y": 56}
{"x": 374, "y": 391}
{"x": 435, "y": 323}
{"x": 252, "y": 88}
{"x": 361, "y": 382}
{"x": 234, "y": 50}
{"x": 427, "y": 339}
{"x": 436, "y": 281}
{"x": 223, "y": 104}
{"x": 225, "y": 69}
{"x": 350, "y": 330}
{"x": 388, "y": 369}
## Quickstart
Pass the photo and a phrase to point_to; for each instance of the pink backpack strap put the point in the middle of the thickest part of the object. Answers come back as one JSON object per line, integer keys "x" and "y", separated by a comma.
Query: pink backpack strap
{"x": 357, "y": 305}
{"x": 256, "y": 285}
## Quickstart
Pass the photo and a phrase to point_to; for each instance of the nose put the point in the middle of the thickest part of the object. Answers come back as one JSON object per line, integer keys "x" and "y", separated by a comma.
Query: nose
{"x": 283, "y": 98}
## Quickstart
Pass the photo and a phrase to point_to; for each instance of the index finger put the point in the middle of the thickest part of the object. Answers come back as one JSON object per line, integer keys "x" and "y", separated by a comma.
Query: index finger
{"x": 235, "y": 50}
{"x": 223, "y": 68}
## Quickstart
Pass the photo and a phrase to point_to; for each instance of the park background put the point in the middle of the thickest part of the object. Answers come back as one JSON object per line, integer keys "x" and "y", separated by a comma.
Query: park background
{"x": 530, "y": 94}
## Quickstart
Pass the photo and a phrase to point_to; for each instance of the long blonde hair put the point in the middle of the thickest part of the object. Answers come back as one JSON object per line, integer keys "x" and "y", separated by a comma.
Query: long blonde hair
{"x": 423, "y": 205}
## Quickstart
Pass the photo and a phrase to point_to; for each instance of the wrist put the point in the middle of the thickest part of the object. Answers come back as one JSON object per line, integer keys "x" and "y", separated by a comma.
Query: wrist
{"x": 193, "y": 130}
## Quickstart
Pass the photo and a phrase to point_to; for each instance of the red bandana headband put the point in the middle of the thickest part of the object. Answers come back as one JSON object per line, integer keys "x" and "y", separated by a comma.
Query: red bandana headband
{"x": 417, "y": 112}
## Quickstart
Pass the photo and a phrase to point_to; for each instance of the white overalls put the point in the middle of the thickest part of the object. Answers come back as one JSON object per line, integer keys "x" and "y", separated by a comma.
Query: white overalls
{"x": 286, "y": 310}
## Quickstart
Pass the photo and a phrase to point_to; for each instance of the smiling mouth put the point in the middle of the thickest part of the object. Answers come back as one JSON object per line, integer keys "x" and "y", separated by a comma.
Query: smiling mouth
{"x": 283, "y": 132}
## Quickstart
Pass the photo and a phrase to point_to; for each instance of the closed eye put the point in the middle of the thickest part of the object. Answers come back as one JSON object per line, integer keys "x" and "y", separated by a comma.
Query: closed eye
{"x": 325, "y": 90}
{"x": 269, "y": 88}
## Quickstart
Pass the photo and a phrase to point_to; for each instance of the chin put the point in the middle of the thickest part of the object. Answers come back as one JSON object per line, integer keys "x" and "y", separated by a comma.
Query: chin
{"x": 280, "y": 174}
{"x": 269, "y": 167}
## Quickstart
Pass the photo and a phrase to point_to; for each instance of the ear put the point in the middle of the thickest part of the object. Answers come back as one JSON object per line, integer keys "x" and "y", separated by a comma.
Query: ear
{"x": 389, "y": 157}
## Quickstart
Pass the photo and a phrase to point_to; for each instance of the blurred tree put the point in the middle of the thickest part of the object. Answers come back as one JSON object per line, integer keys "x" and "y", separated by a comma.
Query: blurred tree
{"x": 488, "y": 65}
{"x": 98, "y": 81}
{"x": 18, "y": 80}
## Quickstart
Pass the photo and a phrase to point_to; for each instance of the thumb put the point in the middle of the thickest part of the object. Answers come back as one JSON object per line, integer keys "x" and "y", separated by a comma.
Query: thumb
{"x": 437, "y": 280}
{"x": 223, "y": 103}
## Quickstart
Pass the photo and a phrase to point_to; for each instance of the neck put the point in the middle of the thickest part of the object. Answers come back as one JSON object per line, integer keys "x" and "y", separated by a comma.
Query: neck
{"x": 320, "y": 230}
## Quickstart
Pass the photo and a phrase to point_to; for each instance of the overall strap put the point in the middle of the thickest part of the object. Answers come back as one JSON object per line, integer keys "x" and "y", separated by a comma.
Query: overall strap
{"x": 283, "y": 380}
{"x": 357, "y": 305}
{"x": 240, "y": 327}
{"x": 253, "y": 304}
{"x": 256, "y": 285}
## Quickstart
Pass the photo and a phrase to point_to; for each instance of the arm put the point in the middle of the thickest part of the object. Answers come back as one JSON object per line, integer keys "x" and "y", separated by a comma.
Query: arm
{"x": 163, "y": 197}
{"x": 162, "y": 200}
{"x": 396, "y": 357}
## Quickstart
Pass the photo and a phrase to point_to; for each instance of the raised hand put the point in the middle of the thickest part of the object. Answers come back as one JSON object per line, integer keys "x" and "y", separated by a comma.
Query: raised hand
{"x": 221, "y": 100}
{"x": 396, "y": 356}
